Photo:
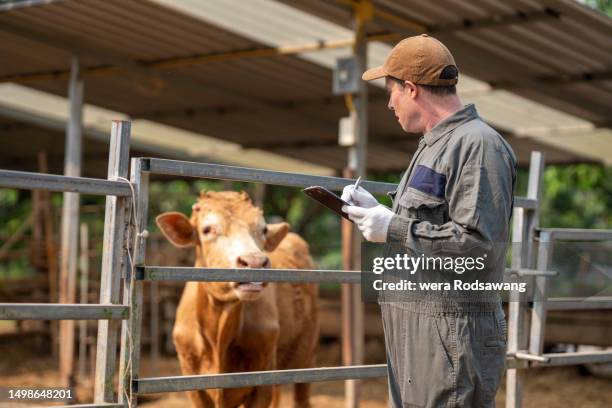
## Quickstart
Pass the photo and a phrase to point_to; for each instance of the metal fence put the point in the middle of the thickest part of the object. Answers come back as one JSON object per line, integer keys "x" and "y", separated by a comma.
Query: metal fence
{"x": 110, "y": 308}
{"x": 124, "y": 260}
{"x": 155, "y": 273}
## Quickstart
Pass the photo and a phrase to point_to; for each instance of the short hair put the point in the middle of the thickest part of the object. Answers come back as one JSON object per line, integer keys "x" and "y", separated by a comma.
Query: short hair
{"x": 398, "y": 81}
{"x": 442, "y": 90}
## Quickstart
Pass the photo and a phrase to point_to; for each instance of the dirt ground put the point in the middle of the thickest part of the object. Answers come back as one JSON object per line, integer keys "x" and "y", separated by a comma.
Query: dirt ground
{"x": 24, "y": 364}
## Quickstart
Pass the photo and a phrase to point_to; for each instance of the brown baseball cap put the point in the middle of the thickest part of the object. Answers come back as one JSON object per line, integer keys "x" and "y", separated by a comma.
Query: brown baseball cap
{"x": 421, "y": 59}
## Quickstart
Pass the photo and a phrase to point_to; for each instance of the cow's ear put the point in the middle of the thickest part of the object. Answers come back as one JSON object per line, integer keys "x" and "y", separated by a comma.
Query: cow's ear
{"x": 275, "y": 234}
{"x": 177, "y": 228}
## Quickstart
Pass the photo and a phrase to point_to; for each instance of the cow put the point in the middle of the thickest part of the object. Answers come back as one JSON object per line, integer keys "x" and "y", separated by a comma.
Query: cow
{"x": 224, "y": 327}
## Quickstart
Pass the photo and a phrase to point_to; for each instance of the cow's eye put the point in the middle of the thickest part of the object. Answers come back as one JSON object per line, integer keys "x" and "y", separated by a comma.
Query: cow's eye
{"x": 265, "y": 230}
{"x": 207, "y": 229}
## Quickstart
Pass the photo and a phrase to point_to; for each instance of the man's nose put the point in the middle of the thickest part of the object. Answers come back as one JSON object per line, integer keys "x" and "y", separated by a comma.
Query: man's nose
{"x": 253, "y": 261}
{"x": 389, "y": 105}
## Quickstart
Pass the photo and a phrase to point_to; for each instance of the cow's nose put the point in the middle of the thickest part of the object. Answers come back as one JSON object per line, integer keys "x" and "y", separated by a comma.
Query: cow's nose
{"x": 253, "y": 261}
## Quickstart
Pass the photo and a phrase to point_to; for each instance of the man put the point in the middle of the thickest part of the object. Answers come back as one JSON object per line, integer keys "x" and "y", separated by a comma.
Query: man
{"x": 444, "y": 348}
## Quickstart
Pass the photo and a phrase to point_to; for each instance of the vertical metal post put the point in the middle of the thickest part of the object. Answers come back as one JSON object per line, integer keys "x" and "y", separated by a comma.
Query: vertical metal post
{"x": 70, "y": 222}
{"x": 357, "y": 164}
{"x": 538, "y": 313}
{"x": 523, "y": 237}
{"x": 113, "y": 262}
{"x": 83, "y": 292}
{"x": 154, "y": 325}
{"x": 132, "y": 289}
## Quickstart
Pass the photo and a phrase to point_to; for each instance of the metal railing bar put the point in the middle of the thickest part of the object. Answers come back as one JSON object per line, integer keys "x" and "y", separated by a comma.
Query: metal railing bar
{"x": 524, "y": 202}
{"x": 51, "y": 311}
{"x": 255, "y": 378}
{"x": 176, "y": 273}
{"x": 223, "y": 172}
{"x": 574, "y": 358}
{"x": 52, "y": 182}
{"x": 92, "y": 405}
{"x": 579, "y": 303}
{"x": 248, "y": 174}
{"x": 530, "y": 272}
{"x": 162, "y": 273}
{"x": 577, "y": 234}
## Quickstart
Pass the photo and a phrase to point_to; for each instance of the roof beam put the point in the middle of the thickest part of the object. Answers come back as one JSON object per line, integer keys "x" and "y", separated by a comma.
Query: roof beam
{"x": 300, "y": 144}
{"x": 119, "y": 65}
{"x": 393, "y": 21}
{"x": 560, "y": 79}
{"x": 288, "y": 105}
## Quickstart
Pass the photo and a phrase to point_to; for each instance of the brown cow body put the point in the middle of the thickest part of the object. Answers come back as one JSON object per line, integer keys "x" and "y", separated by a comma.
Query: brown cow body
{"x": 232, "y": 327}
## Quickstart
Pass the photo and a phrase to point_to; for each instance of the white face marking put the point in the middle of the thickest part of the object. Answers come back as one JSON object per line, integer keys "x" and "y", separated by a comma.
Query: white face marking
{"x": 240, "y": 242}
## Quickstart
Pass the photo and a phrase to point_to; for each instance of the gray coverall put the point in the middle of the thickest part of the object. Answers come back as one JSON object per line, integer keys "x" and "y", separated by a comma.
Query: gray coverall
{"x": 448, "y": 349}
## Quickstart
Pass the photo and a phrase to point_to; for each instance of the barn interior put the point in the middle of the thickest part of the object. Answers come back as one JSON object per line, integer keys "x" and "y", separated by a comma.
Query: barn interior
{"x": 250, "y": 84}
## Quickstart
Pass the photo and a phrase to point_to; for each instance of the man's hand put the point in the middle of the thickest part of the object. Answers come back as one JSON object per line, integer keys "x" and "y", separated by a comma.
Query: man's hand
{"x": 359, "y": 197}
{"x": 372, "y": 222}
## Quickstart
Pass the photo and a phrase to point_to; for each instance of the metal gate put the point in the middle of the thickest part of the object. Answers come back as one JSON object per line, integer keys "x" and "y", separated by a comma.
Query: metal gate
{"x": 125, "y": 233}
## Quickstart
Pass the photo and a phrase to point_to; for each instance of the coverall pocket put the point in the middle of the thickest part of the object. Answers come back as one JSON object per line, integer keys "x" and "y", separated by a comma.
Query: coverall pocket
{"x": 426, "y": 362}
{"x": 424, "y": 207}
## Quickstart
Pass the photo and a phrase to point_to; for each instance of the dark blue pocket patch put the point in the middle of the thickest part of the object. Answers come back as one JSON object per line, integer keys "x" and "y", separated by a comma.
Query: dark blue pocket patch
{"x": 428, "y": 181}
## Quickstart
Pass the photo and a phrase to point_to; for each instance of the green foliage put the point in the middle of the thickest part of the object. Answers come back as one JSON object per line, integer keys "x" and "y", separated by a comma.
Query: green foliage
{"x": 577, "y": 196}
{"x": 604, "y": 6}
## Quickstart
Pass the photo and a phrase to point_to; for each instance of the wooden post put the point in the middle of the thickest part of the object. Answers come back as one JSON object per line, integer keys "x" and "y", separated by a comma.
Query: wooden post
{"x": 114, "y": 260}
{"x": 354, "y": 345}
{"x": 83, "y": 291}
{"x": 132, "y": 289}
{"x": 348, "y": 355}
{"x": 70, "y": 222}
{"x": 50, "y": 248}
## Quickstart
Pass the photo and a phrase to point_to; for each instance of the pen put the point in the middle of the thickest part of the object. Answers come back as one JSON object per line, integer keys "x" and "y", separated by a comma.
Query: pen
{"x": 357, "y": 182}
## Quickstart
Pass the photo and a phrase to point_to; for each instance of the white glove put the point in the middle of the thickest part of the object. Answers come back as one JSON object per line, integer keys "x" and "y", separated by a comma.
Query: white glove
{"x": 360, "y": 197}
{"x": 372, "y": 222}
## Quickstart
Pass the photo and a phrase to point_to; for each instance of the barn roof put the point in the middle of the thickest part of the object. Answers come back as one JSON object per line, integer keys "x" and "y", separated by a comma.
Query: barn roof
{"x": 205, "y": 67}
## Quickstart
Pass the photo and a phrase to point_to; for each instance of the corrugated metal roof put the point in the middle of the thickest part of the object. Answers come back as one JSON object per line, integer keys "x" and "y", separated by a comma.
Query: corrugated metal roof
{"x": 281, "y": 104}
{"x": 40, "y": 119}
{"x": 544, "y": 67}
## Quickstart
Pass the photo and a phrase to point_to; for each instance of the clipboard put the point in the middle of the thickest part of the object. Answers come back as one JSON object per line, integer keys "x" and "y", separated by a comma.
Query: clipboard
{"x": 328, "y": 199}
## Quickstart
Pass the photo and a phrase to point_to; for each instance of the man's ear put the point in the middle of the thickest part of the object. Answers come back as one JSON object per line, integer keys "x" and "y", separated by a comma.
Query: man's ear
{"x": 177, "y": 229}
{"x": 412, "y": 87}
{"x": 275, "y": 234}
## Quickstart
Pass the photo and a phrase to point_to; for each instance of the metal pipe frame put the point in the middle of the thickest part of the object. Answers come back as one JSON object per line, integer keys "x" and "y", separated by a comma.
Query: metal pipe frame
{"x": 247, "y": 174}
{"x": 114, "y": 259}
{"x": 55, "y": 311}
{"x": 162, "y": 273}
{"x": 590, "y": 303}
{"x": 131, "y": 329}
{"x": 38, "y": 181}
{"x": 94, "y": 405}
{"x": 187, "y": 274}
{"x": 575, "y": 358}
{"x": 525, "y": 220}
{"x": 256, "y": 378}
{"x": 576, "y": 234}
{"x": 521, "y": 266}
{"x": 529, "y": 272}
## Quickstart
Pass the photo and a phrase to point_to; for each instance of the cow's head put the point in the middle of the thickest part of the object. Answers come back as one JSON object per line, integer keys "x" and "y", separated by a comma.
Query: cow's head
{"x": 227, "y": 232}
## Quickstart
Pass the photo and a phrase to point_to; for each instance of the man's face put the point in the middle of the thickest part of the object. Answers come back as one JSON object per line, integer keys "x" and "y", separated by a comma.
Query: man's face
{"x": 403, "y": 105}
